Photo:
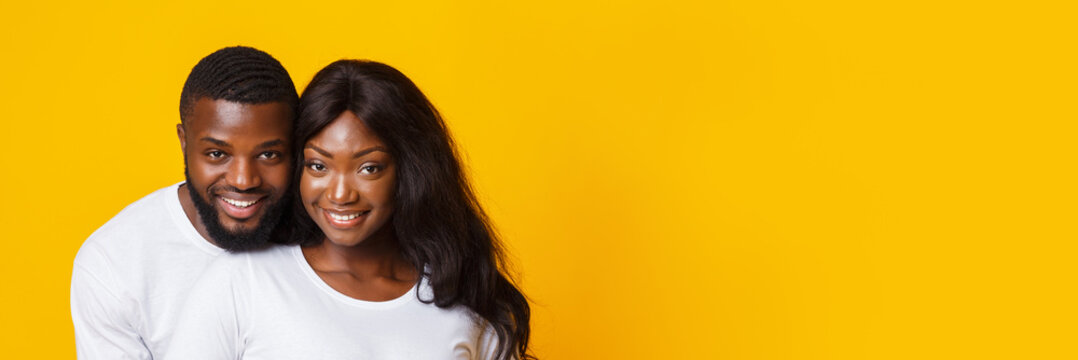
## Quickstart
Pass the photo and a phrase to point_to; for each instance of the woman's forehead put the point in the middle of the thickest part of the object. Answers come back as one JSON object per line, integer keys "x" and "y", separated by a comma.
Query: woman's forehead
{"x": 346, "y": 131}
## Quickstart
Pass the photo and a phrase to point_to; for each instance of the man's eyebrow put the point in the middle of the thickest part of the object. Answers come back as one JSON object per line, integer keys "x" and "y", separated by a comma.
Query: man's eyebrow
{"x": 356, "y": 155}
{"x": 222, "y": 143}
{"x": 217, "y": 142}
{"x": 270, "y": 143}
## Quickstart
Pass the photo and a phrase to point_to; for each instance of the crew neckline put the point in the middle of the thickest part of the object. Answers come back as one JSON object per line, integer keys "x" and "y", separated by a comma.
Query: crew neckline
{"x": 305, "y": 267}
{"x": 175, "y": 209}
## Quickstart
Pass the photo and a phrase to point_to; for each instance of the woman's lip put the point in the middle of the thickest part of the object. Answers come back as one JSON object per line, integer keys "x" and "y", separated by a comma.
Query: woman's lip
{"x": 342, "y": 212}
{"x": 344, "y": 219}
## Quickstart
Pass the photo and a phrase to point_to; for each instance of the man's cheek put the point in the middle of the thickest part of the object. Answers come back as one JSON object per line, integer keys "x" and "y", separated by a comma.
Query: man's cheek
{"x": 283, "y": 179}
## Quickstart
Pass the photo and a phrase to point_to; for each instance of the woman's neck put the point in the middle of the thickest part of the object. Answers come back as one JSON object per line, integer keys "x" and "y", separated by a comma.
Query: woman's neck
{"x": 376, "y": 257}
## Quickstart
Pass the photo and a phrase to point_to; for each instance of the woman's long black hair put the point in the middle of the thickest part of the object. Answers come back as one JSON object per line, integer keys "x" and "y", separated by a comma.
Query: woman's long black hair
{"x": 439, "y": 224}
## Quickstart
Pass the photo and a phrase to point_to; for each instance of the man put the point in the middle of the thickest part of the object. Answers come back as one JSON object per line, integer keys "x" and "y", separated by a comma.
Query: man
{"x": 131, "y": 276}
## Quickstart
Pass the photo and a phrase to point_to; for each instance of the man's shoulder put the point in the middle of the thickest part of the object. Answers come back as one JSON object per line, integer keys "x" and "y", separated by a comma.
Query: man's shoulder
{"x": 147, "y": 217}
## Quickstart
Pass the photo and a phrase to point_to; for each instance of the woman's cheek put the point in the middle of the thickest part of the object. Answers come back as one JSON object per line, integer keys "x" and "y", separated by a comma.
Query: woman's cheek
{"x": 309, "y": 189}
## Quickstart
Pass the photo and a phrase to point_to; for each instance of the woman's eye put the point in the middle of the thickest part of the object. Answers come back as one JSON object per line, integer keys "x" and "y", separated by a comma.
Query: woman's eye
{"x": 369, "y": 169}
{"x": 316, "y": 167}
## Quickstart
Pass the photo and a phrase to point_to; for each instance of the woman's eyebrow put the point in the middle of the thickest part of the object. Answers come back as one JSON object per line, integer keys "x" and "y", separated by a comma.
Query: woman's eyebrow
{"x": 356, "y": 155}
{"x": 368, "y": 151}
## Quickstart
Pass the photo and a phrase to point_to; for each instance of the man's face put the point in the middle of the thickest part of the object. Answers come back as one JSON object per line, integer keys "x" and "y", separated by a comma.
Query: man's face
{"x": 238, "y": 161}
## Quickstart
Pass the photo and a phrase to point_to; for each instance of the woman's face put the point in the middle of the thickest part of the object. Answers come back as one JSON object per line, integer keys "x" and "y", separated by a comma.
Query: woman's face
{"x": 348, "y": 181}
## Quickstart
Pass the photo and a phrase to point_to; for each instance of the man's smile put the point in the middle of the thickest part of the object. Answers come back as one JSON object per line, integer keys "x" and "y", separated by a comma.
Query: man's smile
{"x": 240, "y": 208}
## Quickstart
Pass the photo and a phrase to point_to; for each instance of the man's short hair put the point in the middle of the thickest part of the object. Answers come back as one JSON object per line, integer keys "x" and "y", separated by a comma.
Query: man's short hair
{"x": 238, "y": 74}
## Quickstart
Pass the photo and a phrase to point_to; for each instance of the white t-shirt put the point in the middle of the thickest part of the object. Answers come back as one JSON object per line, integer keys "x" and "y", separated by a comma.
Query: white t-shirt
{"x": 271, "y": 304}
{"x": 131, "y": 276}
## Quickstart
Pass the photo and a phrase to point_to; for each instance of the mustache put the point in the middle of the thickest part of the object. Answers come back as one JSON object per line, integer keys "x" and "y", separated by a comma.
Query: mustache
{"x": 217, "y": 190}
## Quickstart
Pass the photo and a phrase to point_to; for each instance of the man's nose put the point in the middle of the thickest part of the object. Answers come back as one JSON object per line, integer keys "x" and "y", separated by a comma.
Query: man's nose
{"x": 243, "y": 175}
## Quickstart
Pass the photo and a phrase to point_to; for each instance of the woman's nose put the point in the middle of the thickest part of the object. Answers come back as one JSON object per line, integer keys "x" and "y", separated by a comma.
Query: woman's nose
{"x": 341, "y": 191}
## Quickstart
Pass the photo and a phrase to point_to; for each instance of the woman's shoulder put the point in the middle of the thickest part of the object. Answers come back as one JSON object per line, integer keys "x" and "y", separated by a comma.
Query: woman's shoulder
{"x": 455, "y": 313}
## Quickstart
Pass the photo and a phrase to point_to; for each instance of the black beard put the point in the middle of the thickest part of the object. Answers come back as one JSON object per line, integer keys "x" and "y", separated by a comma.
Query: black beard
{"x": 254, "y": 239}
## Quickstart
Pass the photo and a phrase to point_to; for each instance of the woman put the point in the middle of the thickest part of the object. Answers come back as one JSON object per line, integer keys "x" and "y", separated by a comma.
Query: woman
{"x": 393, "y": 258}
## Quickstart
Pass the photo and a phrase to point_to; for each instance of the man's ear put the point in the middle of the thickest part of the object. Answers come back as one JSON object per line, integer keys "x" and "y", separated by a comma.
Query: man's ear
{"x": 183, "y": 138}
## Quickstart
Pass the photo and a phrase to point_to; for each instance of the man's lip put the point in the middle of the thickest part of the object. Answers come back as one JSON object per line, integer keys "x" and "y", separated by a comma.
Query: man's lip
{"x": 241, "y": 213}
{"x": 241, "y": 197}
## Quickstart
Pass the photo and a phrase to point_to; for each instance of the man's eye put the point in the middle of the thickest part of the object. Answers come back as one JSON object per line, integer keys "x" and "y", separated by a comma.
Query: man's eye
{"x": 215, "y": 154}
{"x": 369, "y": 169}
{"x": 270, "y": 155}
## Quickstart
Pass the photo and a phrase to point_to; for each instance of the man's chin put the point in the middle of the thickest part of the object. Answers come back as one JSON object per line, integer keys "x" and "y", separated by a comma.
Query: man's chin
{"x": 243, "y": 234}
{"x": 251, "y": 231}
{"x": 233, "y": 228}
{"x": 238, "y": 224}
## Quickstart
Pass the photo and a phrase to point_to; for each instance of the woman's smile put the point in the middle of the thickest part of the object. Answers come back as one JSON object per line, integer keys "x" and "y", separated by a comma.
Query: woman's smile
{"x": 344, "y": 219}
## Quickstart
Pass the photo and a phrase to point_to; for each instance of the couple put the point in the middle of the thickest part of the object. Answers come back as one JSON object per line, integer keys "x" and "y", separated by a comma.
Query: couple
{"x": 336, "y": 225}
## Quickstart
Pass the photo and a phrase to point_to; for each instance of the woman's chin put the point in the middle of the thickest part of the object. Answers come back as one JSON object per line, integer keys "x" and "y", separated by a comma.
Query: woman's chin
{"x": 344, "y": 241}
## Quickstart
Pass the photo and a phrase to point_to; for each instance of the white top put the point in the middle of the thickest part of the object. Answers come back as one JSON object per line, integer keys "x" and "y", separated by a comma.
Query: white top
{"x": 272, "y": 305}
{"x": 131, "y": 276}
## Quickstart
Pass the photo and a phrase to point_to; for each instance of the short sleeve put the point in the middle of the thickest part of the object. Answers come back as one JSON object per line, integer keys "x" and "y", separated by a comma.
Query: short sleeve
{"x": 105, "y": 319}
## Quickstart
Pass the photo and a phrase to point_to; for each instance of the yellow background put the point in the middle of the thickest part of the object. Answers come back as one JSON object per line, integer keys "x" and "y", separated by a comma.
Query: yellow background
{"x": 714, "y": 179}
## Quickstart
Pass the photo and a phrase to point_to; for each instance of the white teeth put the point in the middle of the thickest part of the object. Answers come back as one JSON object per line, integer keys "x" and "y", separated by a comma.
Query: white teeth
{"x": 343, "y": 217}
{"x": 237, "y": 203}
